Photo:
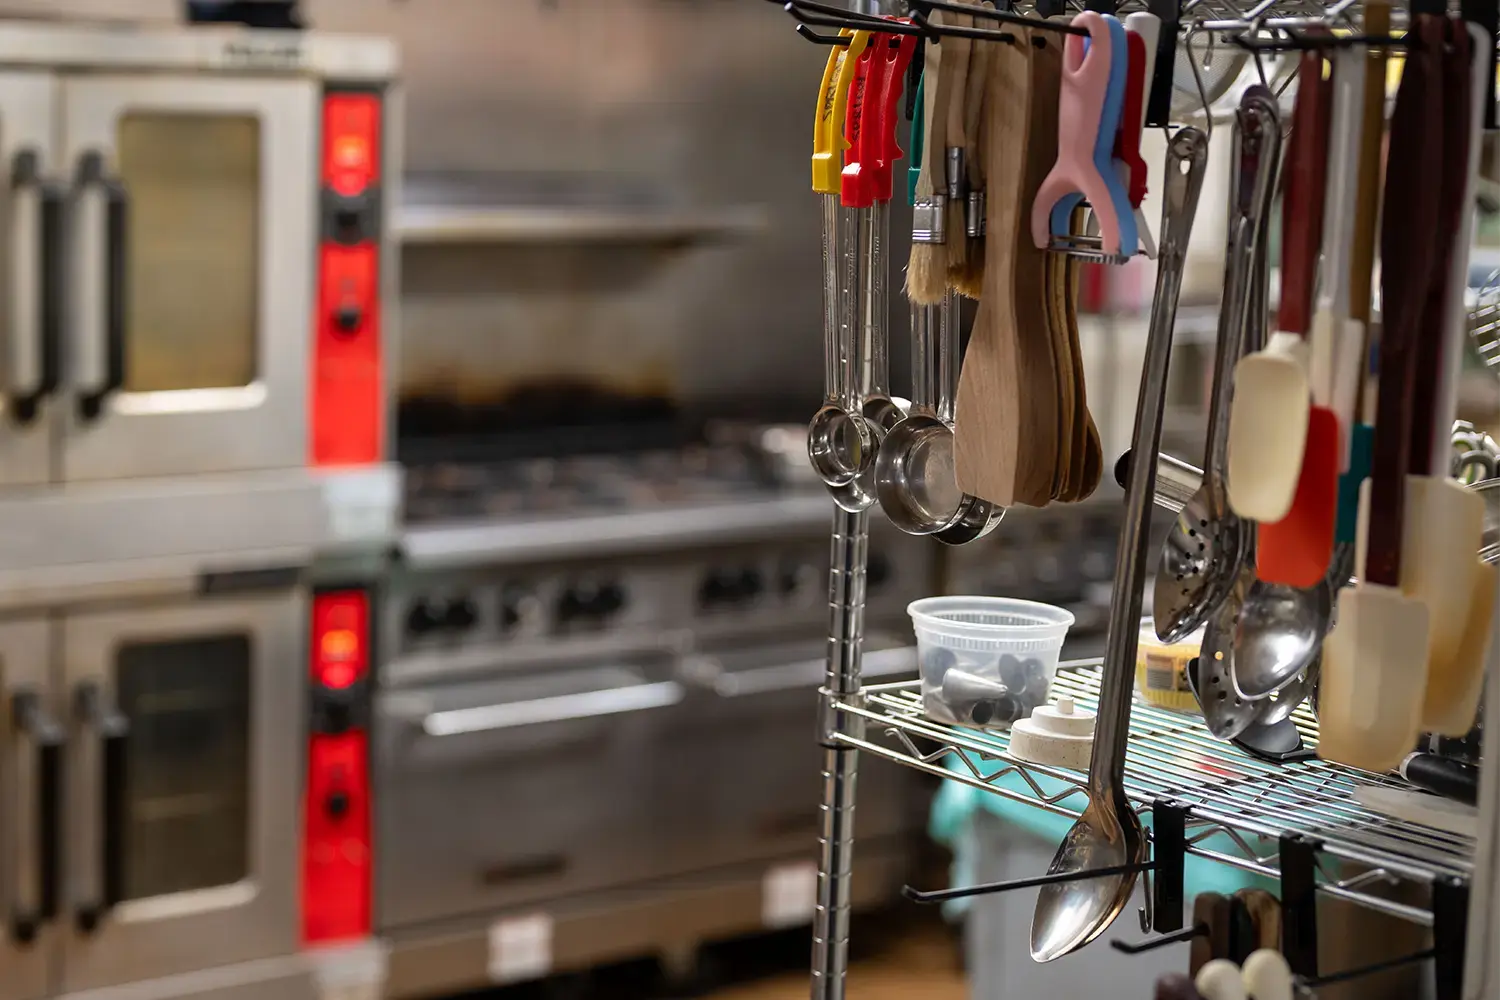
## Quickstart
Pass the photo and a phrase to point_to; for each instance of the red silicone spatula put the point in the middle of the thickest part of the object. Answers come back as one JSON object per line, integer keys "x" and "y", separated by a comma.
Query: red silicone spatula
{"x": 1295, "y": 550}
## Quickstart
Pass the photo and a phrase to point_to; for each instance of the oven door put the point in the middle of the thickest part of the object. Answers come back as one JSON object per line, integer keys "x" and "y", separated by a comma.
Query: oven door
{"x": 31, "y": 204}
{"x": 500, "y": 793}
{"x": 184, "y": 784}
{"x": 192, "y": 272}
{"x": 30, "y": 756}
{"x": 758, "y": 729}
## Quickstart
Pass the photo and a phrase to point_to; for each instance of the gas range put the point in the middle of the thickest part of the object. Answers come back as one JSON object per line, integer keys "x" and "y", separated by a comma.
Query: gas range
{"x": 586, "y": 484}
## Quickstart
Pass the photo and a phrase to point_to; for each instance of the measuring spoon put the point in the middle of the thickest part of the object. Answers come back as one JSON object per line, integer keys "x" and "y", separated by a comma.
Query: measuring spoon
{"x": 1070, "y": 914}
{"x": 1202, "y": 555}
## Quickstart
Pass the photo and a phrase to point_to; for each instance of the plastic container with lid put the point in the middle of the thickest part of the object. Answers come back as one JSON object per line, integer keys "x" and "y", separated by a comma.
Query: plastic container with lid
{"x": 1161, "y": 669}
{"x": 986, "y": 661}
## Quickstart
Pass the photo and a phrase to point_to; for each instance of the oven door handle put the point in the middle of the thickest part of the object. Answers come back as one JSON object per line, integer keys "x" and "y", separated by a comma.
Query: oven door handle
{"x": 92, "y": 175}
{"x": 561, "y": 708}
{"x": 808, "y": 673}
{"x": 34, "y": 350}
{"x": 39, "y": 819}
{"x": 98, "y": 712}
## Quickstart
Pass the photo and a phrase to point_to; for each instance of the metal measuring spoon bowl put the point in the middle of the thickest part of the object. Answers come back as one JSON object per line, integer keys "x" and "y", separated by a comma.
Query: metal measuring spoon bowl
{"x": 1277, "y": 635}
{"x": 840, "y": 445}
{"x": 976, "y": 518}
{"x": 914, "y": 476}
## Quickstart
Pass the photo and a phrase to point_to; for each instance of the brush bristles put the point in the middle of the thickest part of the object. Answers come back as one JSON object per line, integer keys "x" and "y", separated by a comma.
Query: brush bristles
{"x": 925, "y": 280}
{"x": 968, "y": 280}
{"x": 958, "y": 249}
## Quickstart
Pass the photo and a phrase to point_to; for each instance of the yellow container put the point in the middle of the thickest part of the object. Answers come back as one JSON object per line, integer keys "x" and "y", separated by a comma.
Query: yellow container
{"x": 1161, "y": 669}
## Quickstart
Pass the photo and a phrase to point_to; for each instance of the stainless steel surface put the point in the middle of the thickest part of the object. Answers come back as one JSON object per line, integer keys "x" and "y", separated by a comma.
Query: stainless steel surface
{"x": 1070, "y": 914}
{"x": 1171, "y": 755}
{"x": 252, "y": 913}
{"x": 1225, "y": 711}
{"x": 260, "y": 421}
{"x": 846, "y": 600}
{"x": 1276, "y": 636}
{"x": 1203, "y": 551}
{"x": 100, "y": 536}
{"x": 214, "y": 266}
{"x": 867, "y": 387}
{"x": 839, "y": 442}
{"x": 442, "y": 959}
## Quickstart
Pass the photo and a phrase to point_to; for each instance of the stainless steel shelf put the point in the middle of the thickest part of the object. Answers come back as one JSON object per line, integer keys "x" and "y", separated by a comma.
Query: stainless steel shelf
{"x": 1234, "y": 799}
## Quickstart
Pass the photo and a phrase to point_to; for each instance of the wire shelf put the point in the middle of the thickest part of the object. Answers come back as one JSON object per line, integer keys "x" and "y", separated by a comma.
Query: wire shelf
{"x": 1234, "y": 799}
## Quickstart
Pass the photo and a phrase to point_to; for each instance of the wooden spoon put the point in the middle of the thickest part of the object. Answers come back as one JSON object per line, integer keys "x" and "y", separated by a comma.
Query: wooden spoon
{"x": 987, "y": 425}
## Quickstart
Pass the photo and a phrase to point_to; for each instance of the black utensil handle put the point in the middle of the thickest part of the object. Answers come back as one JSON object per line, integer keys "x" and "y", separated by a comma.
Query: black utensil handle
{"x": 1451, "y": 779}
{"x": 116, "y": 231}
{"x": 37, "y": 727}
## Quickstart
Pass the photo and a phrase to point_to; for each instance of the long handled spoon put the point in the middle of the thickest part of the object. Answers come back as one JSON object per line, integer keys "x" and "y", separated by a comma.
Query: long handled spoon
{"x": 839, "y": 443}
{"x": 1071, "y": 914}
{"x": 1269, "y": 413}
{"x": 1201, "y": 558}
{"x": 1375, "y": 659}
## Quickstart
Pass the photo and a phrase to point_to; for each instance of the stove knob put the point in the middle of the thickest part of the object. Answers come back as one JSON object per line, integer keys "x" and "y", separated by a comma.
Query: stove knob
{"x": 590, "y": 601}
{"x": 423, "y": 618}
{"x": 461, "y": 615}
{"x": 609, "y": 600}
{"x": 878, "y": 570}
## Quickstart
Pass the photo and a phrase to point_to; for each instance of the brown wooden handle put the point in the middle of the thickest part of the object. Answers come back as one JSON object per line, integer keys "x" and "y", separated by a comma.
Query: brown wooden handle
{"x": 1302, "y": 205}
{"x": 1408, "y": 228}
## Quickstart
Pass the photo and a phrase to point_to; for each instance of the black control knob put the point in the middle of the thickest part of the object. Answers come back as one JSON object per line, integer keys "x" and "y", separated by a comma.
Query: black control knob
{"x": 348, "y": 318}
{"x": 337, "y": 804}
{"x": 878, "y": 571}
{"x": 461, "y": 614}
{"x": 424, "y": 618}
{"x": 726, "y": 587}
{"x": 590, "y": 602}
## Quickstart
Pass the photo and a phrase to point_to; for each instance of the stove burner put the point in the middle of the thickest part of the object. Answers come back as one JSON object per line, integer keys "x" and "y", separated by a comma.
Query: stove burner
{"x": 589, "y": 484}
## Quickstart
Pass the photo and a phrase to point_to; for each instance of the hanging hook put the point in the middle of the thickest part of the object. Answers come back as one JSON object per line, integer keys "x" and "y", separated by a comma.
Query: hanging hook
{"x": 924, "y": 7}
{"x": 1187, "y": 43}
{"x": 817, "y": 39}
{"x": 1161, "y": 941}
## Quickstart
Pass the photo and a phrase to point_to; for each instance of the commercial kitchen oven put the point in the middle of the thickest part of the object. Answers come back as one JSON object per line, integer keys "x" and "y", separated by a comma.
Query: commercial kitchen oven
{"x": 194, "y": 257}
{"x": 151, "y": 773}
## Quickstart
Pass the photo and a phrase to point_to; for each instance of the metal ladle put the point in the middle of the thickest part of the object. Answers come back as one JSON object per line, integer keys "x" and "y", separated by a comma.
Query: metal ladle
{"x": 840, "y": 443}
{"x": 914, "y": 473}
{"x": 1108, "y": 835}
{"x": 1202, "y": 555}
{"x": 870, "y": 371}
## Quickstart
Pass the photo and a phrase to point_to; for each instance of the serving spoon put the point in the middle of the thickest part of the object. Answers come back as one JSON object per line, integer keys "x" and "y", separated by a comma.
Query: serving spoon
{"x": 1108, "y": 836}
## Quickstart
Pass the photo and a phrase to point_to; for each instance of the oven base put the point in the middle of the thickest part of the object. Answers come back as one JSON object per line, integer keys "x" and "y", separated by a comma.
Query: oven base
{"x": 667, "y": 921}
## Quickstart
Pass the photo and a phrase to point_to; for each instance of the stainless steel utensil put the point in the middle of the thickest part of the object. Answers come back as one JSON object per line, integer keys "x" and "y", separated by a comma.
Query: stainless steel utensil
{"x": 879, "y": 413}
{"x": 1202, "y": 554}
{"x": 1069, "y": 915}
{"x": 1226, "y": 712}
{"x": 1277, "y": 635}
{"x": 914, "y": 473}
{"x": 840, "y": 444}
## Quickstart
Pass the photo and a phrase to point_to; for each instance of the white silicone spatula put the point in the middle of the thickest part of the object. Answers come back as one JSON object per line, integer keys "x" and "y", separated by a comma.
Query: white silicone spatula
{"x": 1269, "y": 412}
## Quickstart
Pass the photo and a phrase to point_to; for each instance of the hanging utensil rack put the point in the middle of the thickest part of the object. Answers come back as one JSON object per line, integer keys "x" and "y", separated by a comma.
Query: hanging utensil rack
{"x": 1296, "y": 822}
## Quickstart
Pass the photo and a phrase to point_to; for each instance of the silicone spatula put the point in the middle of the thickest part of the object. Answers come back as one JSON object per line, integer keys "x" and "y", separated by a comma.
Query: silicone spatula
{"x": 1375, "y": 658}
{"x": 1445, "y": 521}
{"x": 1350, "y": 395}
{"x": 1296, "y": 549}
{"x": 1268, "y": 415}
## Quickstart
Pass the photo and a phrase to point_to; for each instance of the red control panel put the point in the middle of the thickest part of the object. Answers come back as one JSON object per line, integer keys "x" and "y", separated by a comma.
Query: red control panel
{"x": 337, "y": 862}
{"x": 348, "y": 414}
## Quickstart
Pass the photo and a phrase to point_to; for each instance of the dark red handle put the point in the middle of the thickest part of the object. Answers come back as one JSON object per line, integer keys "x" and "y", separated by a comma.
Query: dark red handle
{"x": 1408, "y": 229}
{"x": 1452, "y": 179}
{"x": 1128, "y": 138}
{"x": 1302, "y": 205}
{"x": 855, "y": 189}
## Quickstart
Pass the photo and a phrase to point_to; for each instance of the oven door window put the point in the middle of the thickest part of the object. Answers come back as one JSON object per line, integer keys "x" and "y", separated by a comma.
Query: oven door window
{"x": 187, "y": 776}
{"x": 193, "y": 249}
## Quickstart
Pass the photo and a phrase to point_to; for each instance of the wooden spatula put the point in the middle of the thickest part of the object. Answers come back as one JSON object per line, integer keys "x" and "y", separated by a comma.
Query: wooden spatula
{"x": 1375, "y": 659}
{"x": 987, "y": 452}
